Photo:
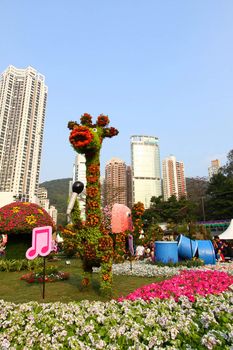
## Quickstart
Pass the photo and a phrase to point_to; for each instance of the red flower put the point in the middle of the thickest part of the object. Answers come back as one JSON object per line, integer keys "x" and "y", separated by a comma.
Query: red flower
{"x": 80, "y": 136}
{"x": 102, "y": 120}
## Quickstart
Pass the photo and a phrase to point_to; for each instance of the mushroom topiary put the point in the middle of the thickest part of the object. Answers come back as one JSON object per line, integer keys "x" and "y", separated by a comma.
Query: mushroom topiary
{"x": 17, "y": 220}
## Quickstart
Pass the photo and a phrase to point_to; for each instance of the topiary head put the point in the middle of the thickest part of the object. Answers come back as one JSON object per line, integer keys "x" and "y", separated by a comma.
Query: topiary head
{"x": 87, "y": 137}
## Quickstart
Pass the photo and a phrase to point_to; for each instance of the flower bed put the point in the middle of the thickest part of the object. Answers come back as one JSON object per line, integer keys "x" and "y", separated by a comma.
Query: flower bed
{"x": 173, "y": 321}
{"x": 33, "y": 277}
{"x": 206, "y": 323}
{"x": 188, "y": 283}
{"x": 145, "y": 269}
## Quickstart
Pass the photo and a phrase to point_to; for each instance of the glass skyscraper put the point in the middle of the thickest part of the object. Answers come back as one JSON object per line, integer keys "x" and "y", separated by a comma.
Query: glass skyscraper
{"x": 146, "y": 170}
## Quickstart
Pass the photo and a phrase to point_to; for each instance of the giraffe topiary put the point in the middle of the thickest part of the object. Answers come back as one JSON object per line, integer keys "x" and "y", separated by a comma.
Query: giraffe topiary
{"x": 96, "y": 246}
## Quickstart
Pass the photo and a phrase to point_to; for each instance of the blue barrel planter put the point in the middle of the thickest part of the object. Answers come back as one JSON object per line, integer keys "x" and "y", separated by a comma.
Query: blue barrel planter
{"x": 187, "y": 248}
{"x": 166, "y": 252}
{"x": 206, "y": 252}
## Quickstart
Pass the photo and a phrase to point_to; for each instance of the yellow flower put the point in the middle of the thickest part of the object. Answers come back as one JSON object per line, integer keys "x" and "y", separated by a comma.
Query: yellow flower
{"x": 30, "y": 219}
{"x": 16, "y": 209}
{"x": 40, "y": 211}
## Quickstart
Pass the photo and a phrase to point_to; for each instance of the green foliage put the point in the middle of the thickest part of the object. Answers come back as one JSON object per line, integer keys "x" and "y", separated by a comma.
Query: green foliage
{"x": 76, "y": 216}
{"x": 58, "y": 193}
{"x": 153, "y": 233}
{"x": 219, "y": 203}
{"x": 172, "y": 210}
{"x": 20, "y": 265}
{"x": 188, "y": 263}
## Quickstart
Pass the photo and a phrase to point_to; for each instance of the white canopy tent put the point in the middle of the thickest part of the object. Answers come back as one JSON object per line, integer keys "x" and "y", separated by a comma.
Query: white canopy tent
{"x": 228, "y": 233}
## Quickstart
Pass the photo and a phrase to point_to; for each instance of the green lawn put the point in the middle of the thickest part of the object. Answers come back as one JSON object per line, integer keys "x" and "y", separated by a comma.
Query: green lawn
{"x": 15, "y": 290}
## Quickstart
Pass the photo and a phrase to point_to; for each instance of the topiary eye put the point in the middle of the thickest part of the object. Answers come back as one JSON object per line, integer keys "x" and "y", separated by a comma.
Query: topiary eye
{"x": 94, "y": 129}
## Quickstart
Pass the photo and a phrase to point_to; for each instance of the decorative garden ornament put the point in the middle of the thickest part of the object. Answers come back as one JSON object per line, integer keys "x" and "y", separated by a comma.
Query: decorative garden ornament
{"x": 96, "y": 247}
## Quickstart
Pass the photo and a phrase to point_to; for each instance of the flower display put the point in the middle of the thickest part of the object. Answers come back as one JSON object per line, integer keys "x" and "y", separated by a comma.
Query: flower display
{"x": 95, "y": 246}
{"x": 187, "y": 283}
{"x": 137, "y": 212}
{"x": 102, "y": 120}
{"x": 33, "y": 277}
{"x": 86, "y": 119}
{"x": 81, "y": 137}
{"x": 22, "y": 217}
{"x": 206, "y": 323}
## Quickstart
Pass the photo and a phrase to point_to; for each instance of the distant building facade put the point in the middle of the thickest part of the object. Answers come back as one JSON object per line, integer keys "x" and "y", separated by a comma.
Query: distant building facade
{"x": 146, "y": 171}
{"x": 23, "y": 97}
{"x": 115, "y": 182}
{"x": 79, "y": 174}
{"x": 174, "y": 182}
{"x": 214, "y": 168}
{"x": 44, "y": 203}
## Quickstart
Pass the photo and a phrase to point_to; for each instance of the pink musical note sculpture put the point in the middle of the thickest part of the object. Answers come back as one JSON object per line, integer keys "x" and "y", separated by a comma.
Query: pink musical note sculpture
{"x": 41, "y": 242}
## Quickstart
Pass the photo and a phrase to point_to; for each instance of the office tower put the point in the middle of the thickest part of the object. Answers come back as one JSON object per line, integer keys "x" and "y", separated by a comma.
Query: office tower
{"x": 146, "y": 172}
{"x": 174, "y": 182}
{"x": 23, "y": 96}
{"x": 79, "y": 174}
{"x": 214, "y": 168}
{"x": 115, "y": 182}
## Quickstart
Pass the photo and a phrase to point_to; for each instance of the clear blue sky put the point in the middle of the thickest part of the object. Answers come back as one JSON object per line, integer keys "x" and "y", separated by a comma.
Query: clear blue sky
{"x": 161, "y": 68}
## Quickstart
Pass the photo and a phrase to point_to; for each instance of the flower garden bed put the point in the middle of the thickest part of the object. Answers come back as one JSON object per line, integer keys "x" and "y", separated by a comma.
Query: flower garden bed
{"x": 33, "y": 277}
{"x": 196, "y": 313}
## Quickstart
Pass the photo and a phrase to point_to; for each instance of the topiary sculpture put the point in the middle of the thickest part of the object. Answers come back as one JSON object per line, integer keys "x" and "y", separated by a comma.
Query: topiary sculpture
{"x": 17, "y": 220}
{"x": 96, "y": 246}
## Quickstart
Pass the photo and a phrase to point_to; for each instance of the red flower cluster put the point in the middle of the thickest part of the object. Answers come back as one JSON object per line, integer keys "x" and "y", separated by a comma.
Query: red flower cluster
{"x": 86, "y": 119}
{"x": 92, "y": 179}
{"x": 80, "y": 136}
{"x": 92, "y": 192}
{"x": 110, "y": 132}
{"x": 93, "y": 220}
{"x": 94, "y": 169}
{"x": 92, "y": 204}
{"x": 105, "y": 243}
{"x": 32, "y": 277}
{"x": 102, "y": 120}
{"x": 22, "y": 217}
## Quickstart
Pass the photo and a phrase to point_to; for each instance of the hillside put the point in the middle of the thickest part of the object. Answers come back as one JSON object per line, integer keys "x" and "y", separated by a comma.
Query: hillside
{"x": 58, "y": 191}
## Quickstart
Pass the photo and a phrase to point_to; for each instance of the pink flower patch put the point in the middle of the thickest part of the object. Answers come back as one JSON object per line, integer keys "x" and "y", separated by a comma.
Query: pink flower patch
{"x": 187, "y": 283}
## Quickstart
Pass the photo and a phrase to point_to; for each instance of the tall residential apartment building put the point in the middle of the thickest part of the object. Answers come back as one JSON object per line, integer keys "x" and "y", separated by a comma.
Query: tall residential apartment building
{"x": 115, "y": 182}
{"x": 23, "y": 96}
{"x": 174, "y": 182}
{"x": 214, "y": 168}
{"x": 146, "y": 172}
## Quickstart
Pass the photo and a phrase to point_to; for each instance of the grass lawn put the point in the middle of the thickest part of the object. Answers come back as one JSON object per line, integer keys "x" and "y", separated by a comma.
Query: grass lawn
{"x": 15, "y": 290}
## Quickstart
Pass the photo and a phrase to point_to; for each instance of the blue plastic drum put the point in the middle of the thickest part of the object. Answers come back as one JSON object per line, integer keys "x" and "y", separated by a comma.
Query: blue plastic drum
{"x": 166, "y": 252}
{"x": 187, "y": 248}
{"x": 206, "y": 252}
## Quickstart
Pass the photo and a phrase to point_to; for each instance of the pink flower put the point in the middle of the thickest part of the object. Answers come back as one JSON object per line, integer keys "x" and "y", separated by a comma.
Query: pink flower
{"x": 187, "y": 283}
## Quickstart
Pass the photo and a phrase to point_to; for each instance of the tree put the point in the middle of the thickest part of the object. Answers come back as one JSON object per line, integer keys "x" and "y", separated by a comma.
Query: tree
{"x": 219, "y": 203}
{"x": 228, "y": 168}
{"x": 172, "y": 210}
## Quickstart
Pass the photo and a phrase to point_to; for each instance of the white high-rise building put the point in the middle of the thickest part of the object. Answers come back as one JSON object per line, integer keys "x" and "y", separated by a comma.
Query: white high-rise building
{"x": 79, "y": 174}
{"x": 214, "y": 168}
{"x": 174, "y": 182}
{"x": 146, "y": 172}
{"x": 23, "y": 96}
